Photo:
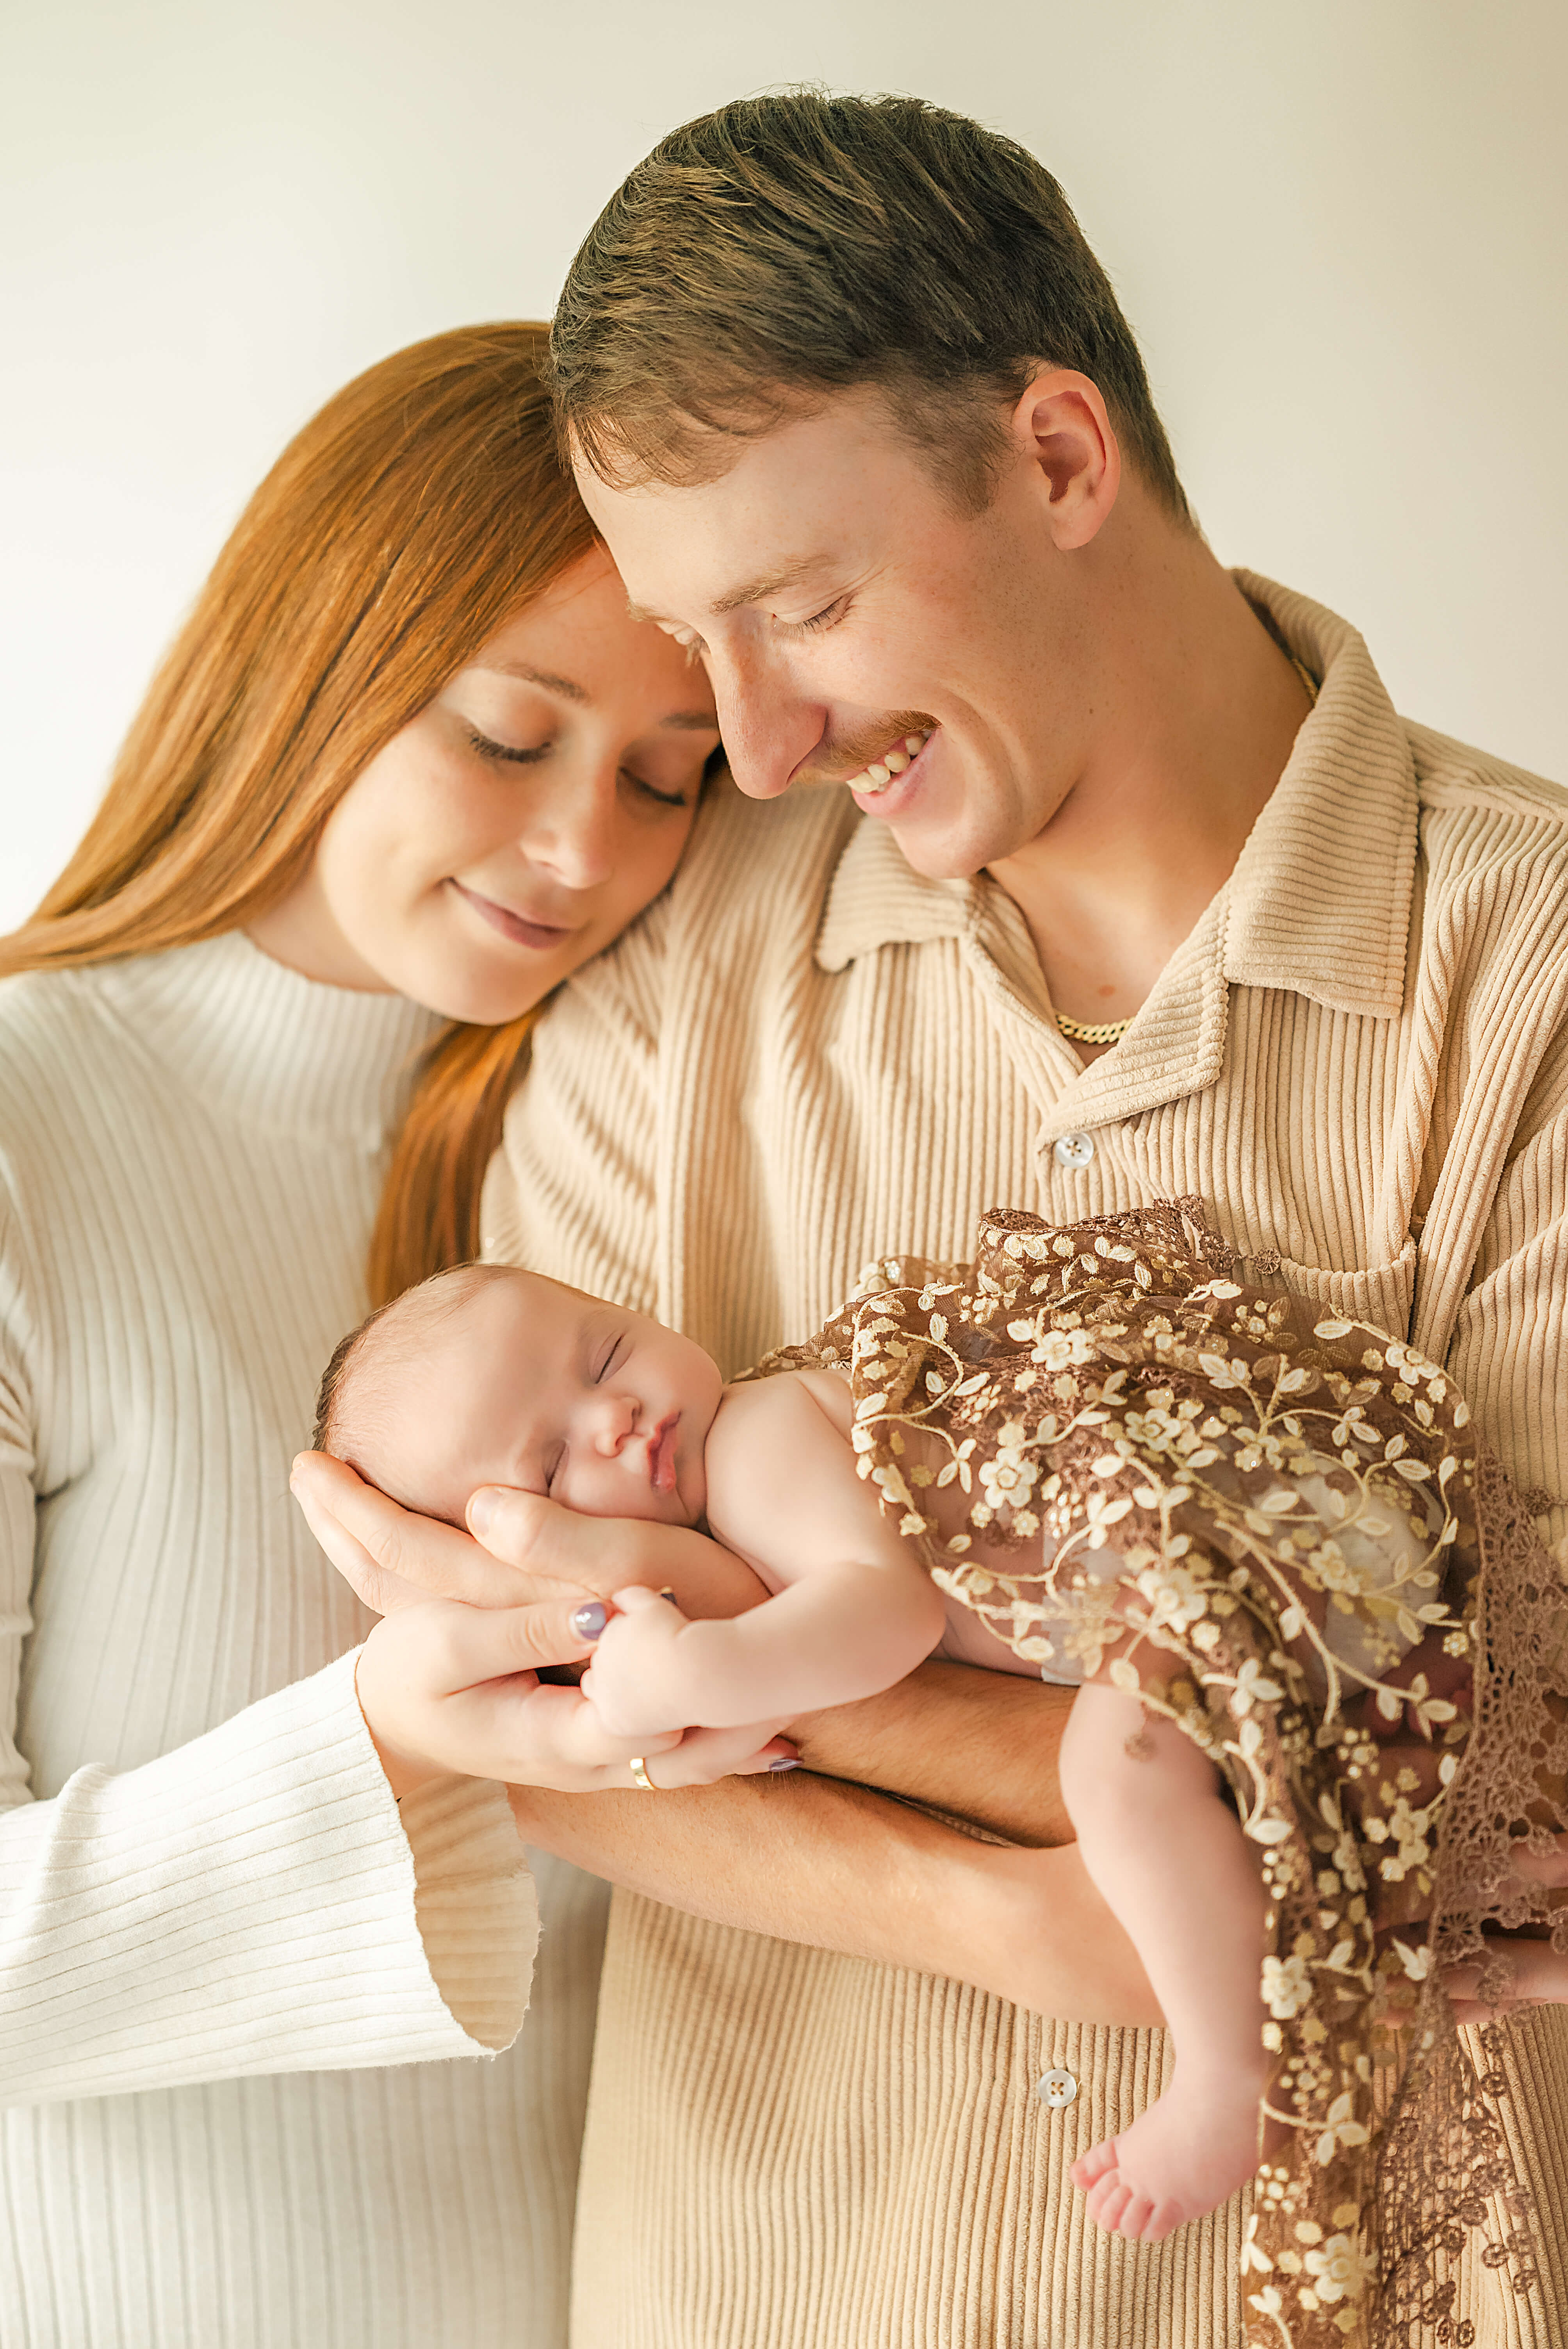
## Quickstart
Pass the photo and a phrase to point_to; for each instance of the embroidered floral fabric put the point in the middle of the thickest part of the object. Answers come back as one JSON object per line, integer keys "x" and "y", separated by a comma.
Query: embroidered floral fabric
{"x": 1276, "y": 1526}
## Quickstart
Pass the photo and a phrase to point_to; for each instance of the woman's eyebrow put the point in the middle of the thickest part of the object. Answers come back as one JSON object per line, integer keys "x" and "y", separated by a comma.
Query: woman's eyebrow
{"x": 566, "y": 687}
{"x": 690, "y": 722}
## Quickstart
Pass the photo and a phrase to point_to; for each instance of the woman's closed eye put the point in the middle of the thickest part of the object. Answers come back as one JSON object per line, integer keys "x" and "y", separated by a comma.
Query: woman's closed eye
{"x": 516, "y": 753}
{"x": 649, "y": 790}
{"x": 523, "y": 754}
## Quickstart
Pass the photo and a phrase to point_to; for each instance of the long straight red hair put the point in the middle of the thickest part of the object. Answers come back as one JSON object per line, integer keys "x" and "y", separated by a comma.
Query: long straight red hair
{"x": 419, "y": 511}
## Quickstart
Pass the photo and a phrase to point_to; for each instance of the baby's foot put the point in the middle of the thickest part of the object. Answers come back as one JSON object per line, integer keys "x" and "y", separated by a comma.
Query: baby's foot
{"x": 1185, "y": 2156}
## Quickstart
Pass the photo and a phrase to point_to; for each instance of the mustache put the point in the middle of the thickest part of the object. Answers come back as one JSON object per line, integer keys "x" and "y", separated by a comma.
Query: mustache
{"x": 834, "y": 762}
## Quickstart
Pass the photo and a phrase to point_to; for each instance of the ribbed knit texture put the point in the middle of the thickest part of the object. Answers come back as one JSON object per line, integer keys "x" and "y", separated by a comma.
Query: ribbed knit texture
{"x": 805, "y": 1057}
{"x": 215, "y": 1924}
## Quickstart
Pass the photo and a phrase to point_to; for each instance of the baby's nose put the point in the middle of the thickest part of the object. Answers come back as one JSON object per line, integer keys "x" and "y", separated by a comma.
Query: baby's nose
{"x": 617, "y": 1417}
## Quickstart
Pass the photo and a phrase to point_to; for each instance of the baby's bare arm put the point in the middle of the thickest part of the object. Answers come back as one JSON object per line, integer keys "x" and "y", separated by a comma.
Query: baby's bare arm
{"x": 854, "y": 1609}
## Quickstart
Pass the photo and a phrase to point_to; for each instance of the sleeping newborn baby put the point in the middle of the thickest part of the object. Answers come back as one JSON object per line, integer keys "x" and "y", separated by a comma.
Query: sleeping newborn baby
{"x": 491, "y": 1376}
{"x": 1084, "y": 1456}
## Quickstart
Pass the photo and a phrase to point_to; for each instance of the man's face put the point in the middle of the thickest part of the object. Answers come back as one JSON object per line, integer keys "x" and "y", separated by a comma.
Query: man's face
{"x": 845, "y": 607}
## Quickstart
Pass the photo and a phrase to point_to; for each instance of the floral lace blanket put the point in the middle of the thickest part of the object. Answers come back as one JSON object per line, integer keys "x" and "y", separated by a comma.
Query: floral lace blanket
{"x": 1283, "y": 1520}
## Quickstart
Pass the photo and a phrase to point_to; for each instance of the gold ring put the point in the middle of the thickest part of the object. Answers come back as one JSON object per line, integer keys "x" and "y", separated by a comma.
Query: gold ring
{"x": 640, "y": 1773}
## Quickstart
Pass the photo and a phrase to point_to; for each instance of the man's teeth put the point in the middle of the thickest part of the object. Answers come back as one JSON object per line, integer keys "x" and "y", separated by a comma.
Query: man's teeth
{"x": 880, "y": 772}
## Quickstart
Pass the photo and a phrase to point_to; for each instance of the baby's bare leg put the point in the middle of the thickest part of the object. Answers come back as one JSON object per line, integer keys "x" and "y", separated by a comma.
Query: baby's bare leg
{"x": 1168, "y": 1855}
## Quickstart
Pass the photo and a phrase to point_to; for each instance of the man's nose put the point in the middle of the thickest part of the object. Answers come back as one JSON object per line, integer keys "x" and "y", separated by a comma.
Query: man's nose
{"x": 768, "y": 725}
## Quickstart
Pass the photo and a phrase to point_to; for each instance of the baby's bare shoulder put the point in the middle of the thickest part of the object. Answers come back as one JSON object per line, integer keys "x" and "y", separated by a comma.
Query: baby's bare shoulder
{"x": 780, "y": 1410}
{"x": 779, "y": 1450}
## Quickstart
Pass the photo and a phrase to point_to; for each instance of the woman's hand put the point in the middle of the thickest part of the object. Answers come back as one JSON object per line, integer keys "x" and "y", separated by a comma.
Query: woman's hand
{"x": 448, "y": 1688}
{"x": 527, "y": 1550}
{"x": 448, "y": 1682}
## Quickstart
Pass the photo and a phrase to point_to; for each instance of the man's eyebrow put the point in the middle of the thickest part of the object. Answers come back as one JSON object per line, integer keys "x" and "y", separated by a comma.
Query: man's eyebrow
{"x": 753, "y": 591}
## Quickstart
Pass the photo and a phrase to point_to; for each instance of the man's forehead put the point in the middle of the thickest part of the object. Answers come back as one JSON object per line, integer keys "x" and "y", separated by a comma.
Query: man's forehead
{"x": 770, "y": 521}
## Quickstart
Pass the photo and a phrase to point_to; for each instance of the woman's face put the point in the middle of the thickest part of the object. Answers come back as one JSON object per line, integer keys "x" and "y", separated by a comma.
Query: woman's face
{"x": 517, "y": 825}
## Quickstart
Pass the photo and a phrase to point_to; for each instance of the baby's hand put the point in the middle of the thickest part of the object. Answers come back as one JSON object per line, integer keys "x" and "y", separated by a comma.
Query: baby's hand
{"x": 631, "y": 1684}
{"x": 641, "y": 1686}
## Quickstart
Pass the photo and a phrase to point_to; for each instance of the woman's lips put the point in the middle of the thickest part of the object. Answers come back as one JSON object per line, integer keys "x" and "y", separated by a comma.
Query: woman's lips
{"x": 516, "y": 926}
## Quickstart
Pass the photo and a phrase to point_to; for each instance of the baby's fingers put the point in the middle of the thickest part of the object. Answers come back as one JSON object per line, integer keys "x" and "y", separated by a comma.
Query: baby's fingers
{"x": 705, "y": 1755}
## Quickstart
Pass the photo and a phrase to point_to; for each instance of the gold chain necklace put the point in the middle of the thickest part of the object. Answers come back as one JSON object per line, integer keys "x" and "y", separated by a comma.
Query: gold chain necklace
{"x": 1111, "y": 1031}
{"x": 1107, "y": 1032}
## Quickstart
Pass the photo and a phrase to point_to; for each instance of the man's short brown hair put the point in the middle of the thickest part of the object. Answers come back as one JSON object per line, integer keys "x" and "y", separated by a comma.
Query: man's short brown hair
{"x": 788, "y": 247}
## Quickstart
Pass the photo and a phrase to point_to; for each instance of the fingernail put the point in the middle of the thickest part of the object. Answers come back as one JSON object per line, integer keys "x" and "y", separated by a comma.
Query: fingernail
{"x": 785, "y": 1762}
{"x": 481, "y": 1510}
{"x": 589, "y": 1622}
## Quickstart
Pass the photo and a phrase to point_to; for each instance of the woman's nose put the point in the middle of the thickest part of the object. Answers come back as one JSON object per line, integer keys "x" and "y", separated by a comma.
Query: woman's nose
{"x": 571, "y": 832}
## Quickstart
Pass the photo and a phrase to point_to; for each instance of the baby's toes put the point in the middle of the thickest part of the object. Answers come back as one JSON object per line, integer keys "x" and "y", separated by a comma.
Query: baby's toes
{"x": 1135, "y": 2218}
{"x": 1107, "y": 2201}
{"x": 1093, "y": 2165}
{"x": 1163, "y": 2218}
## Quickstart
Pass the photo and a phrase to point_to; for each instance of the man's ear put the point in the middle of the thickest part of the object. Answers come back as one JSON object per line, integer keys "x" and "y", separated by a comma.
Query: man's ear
{"x": 1062, "y": 429}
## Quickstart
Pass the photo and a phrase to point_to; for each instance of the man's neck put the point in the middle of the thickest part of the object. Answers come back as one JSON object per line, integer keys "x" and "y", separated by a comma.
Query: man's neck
{"x": 1202, "y": 708}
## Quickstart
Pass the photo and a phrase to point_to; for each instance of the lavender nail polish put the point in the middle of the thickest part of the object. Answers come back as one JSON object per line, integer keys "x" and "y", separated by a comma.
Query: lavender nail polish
{"x": 785, "y": 1762}
{"x": 589, "y": 1622}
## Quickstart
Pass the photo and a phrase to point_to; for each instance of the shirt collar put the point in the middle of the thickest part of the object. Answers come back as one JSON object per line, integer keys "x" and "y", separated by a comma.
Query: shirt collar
{"x": 1318, "y": 903}
{"x": 1320, "y": 897}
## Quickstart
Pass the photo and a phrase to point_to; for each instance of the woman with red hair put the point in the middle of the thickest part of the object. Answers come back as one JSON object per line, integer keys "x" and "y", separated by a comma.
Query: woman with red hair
{"x": 408, "y": 764}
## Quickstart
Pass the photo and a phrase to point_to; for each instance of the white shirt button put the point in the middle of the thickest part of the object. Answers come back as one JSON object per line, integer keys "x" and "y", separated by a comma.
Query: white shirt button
{"x": 1074, "y": 1150}
{"x": 1057, "y": 2089}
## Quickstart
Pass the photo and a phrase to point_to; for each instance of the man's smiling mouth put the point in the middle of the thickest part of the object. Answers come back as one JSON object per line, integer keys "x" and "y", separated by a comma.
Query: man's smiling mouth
{"x": 880, "y": 774}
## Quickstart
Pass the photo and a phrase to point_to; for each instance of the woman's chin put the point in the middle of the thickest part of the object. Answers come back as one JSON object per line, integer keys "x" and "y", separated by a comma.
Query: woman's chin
{"x": 479, "y": 999}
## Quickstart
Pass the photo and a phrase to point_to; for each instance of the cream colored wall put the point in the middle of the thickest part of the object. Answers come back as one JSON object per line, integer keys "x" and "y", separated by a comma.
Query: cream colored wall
{"x": 1340, "y": 228}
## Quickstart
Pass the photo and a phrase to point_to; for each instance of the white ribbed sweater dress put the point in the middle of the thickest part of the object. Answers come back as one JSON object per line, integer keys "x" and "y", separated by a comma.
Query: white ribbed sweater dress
{"x": 216, "y": 1929}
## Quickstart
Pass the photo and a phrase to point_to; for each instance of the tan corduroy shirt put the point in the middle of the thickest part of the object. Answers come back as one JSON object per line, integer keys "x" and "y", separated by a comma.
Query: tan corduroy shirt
{"x": 806, "y": 1056}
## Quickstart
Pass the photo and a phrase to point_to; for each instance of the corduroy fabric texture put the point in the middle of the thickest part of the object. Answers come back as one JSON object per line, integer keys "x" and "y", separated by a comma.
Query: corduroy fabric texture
{"x": 805, "y": 1057}
{"x": 215, "y": 1924}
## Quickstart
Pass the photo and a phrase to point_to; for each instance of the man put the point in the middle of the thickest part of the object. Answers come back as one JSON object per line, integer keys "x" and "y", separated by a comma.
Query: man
{"x": 1138, "y": 888}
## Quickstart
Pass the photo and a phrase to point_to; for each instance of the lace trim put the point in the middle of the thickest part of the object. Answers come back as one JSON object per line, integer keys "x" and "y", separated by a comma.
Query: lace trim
{"x": 1278, "y": 1524}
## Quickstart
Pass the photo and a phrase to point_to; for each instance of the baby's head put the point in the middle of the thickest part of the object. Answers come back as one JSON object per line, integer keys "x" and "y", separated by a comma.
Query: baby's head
{"x": 486, "y": 1375}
